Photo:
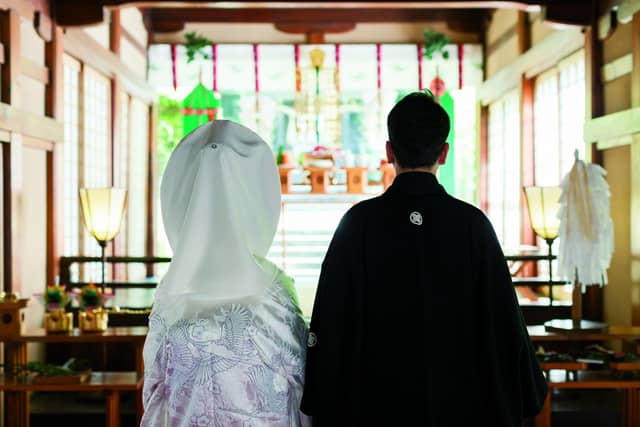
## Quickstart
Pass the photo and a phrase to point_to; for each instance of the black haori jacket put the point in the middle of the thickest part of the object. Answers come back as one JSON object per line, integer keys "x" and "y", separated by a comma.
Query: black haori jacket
{"x": 416, "y": 321}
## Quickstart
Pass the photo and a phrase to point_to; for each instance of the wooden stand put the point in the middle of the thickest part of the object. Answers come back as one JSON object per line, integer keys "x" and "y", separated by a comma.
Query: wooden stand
{"x": 285, "y": 181}
{"x": 357, "y": 179}
{"x": 319, "y": 179}
{"x": 12, "y": 317}
{"x": 388, "y": 175}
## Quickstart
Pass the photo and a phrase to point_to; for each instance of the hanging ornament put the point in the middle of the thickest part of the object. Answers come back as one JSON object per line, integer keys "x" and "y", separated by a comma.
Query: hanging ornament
{"x": 460, "y": 64}
{"x": 296, "y": 57}
{"x": 420, "y": 55}
{"x": 378, "y": 65}
{"x": 214, "y": 63}
{"x": 174, "y": 68}
{"x": 297, "y": 103}
{"x": 317, "y": 59}
{"x": 256, "y": 73}
{"x": 199, "y": 107}
{"x": 437, "y": 85}
{"x": 336, "y": 74}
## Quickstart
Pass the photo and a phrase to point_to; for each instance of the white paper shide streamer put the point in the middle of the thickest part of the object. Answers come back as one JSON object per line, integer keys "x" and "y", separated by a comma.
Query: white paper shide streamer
{"x": 586, "y": 228}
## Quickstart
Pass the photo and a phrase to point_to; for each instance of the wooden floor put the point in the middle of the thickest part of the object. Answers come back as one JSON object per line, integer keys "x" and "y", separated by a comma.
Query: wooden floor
{"x": 592, "y": 408}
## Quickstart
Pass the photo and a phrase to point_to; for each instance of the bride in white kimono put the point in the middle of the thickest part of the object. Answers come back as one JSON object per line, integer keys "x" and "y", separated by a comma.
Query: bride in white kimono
{"x": 227, "y": 340}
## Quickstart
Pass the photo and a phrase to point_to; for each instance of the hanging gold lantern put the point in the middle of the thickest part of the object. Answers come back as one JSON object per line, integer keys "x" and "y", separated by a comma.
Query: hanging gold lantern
{"x": 317, "y": 58}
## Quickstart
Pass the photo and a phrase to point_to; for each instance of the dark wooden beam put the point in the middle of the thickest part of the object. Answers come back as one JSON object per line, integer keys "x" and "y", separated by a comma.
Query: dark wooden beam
{"x": 71, "y": 13}
{"x": 10, "y": 71}
{"x": 306, "y": 28}
{"x": 174, "y": 19}
{"x": 564, "y": 14}
{"x": 523, "y": 29}
{"x": 43, "y": 25}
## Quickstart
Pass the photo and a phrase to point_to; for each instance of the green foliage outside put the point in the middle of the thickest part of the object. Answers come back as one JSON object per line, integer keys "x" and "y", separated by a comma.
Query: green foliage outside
{"x": 169, "y": 129}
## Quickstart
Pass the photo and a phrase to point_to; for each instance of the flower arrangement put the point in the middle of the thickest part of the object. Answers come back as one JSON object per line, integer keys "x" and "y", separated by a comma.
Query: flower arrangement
{"x": 55, "y": 298}
{"x": 91, "y": 297}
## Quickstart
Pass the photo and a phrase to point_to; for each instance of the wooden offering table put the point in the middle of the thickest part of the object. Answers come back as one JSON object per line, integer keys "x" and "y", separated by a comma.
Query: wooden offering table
{"x": 17, "y": 399}
{"x": 611, "y": 377}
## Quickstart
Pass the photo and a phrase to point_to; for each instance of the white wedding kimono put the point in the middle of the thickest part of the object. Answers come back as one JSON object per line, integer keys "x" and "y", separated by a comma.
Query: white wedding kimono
{"x": 240, "y": 365}
{"x": 227, "y": 340}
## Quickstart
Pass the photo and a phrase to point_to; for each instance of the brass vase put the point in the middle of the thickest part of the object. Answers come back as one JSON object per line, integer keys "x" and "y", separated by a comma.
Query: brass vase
{"x": 93, "y": 320}
{"x": 58, "y": 321}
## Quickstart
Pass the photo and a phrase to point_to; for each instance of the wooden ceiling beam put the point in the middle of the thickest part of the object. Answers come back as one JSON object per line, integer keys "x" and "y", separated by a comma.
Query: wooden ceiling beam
{"x": 563, "y": 14}
{"x": 325, "y": 20}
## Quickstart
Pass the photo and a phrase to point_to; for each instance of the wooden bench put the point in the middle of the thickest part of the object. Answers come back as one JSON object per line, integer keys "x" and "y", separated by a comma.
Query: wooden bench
{"x": 111, "y": 383}
{"x": 593, "y": 380}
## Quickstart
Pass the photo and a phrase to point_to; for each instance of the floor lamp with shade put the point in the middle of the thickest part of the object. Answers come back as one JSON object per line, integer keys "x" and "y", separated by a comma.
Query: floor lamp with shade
{"x": 102, "y": 210}
{"x": 544, "y": 204}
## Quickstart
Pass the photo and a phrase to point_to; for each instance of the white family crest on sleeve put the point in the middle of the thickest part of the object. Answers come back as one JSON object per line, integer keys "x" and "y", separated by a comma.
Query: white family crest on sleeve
{"x": 312, "y": 340}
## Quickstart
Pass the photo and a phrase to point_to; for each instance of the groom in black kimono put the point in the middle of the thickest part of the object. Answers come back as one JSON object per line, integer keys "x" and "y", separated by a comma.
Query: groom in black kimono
{"x": 416, "y": 321}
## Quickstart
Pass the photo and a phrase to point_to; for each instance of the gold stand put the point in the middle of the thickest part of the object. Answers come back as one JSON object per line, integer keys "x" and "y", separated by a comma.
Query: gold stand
{"x": 58, "y": 321}
{"x": 93, "y": 321}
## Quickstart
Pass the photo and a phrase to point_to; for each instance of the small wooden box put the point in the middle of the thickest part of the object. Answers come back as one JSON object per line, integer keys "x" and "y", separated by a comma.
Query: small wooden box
{"x": 12, "y": 317}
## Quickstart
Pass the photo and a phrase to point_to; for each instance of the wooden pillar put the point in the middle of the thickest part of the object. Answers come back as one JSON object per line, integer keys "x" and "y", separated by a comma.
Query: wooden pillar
{"x": 527, "y": 159}
{"x": 55, "y": 159}
{"x": 11, "y": 151}
{"x": 528, "y": 236}
{"x": 152, "y": 175}
{"x": 594, "y": 99}
{"x": 483, "y": 186}
{"x": 635, "y": 54}
{"x": 10, "y": 70}
{"x": 315, "y": 37}
{"x": 115, "y": 33}
{"x": 635, "y": 176}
